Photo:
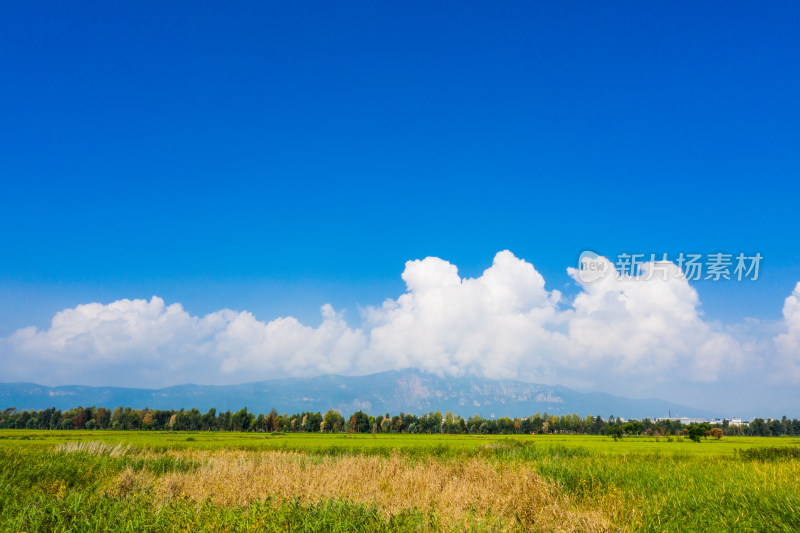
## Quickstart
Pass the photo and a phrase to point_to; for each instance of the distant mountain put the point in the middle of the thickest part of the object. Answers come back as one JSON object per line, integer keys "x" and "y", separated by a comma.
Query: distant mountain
{"x": 409, "y": 391}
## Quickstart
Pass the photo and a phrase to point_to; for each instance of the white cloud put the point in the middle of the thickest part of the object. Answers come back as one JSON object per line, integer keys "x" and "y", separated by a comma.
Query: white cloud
{"x": 648, "y": 326}
{"x": 504, "y": 323}
{"x": 286, "y": 347}
{"x": 140, "y": 342}
{"x": 788, "y": 343}
{"x": 497, "y": 325}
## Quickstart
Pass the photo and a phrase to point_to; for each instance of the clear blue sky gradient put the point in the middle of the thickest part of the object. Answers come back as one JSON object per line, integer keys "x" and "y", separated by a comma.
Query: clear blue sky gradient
{"x": 274, "y": 156}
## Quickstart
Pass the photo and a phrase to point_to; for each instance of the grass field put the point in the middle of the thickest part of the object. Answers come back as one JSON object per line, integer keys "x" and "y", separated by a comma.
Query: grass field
{"x": 148, "y": 481}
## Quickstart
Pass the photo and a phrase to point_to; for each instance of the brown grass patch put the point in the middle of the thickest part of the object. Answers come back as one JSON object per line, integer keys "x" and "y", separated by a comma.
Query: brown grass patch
{"x": 96, "y": 447}
{"x": 468, "y": 492}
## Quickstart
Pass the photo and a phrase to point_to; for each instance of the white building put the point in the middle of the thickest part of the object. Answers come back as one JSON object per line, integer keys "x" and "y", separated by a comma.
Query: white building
{"x": 683, "y": 420}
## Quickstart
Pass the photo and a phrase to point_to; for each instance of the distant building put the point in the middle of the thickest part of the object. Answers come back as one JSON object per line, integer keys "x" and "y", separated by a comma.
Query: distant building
{"x": 683, "y": 420}
{"x": 731, "y": 421}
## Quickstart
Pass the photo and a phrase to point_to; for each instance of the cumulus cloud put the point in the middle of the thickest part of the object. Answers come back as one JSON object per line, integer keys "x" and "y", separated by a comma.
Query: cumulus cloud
{"x": 648, "y": 325}
{"x": 504, "y": 323}
{"x": 285, "y": 346}
{"x": 140, "y": 342}
{"x": 788, "y": 343}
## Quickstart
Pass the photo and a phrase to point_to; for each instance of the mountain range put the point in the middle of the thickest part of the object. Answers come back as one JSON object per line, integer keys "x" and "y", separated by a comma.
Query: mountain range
{"x": 409, "y": 391}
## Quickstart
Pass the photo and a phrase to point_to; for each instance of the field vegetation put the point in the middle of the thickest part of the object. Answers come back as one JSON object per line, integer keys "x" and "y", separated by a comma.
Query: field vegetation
{"x": 213, "y": 481}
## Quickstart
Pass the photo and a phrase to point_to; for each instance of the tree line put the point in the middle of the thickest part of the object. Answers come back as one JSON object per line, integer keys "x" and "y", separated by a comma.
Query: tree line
{"x": 125, "y": 418}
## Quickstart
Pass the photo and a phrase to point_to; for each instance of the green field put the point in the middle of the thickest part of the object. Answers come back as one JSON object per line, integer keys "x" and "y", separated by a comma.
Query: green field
{"x": 219, "y": 481}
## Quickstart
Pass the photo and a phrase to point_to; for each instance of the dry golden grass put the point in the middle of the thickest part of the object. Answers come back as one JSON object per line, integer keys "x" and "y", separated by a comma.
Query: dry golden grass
{"x": 97, "y": 448}
{"x": 459, "y": 492}
{"x": 455, "y": 492}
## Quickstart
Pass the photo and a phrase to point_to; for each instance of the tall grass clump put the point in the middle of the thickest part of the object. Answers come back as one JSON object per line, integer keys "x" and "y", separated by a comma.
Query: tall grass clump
{"x": 769, "y": 454}
{"x": 98, "y": 448}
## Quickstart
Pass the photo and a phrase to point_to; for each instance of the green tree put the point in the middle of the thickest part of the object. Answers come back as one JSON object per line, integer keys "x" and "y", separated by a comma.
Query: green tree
{"x": 634, "y": 427}
{"x": 360, "y": 422}
{"x": 614, "y": 432}
{"x": 242, "y": 420}
{"x": 332, "y": 422}
{"x": 695, "y": 432}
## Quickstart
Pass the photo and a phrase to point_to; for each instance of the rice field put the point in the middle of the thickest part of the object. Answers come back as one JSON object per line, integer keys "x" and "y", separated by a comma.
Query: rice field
{"x": 148, "y": 481}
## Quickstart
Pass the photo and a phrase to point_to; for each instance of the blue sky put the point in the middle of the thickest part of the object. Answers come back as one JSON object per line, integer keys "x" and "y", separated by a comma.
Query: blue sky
{"x": 275, "y": 157}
